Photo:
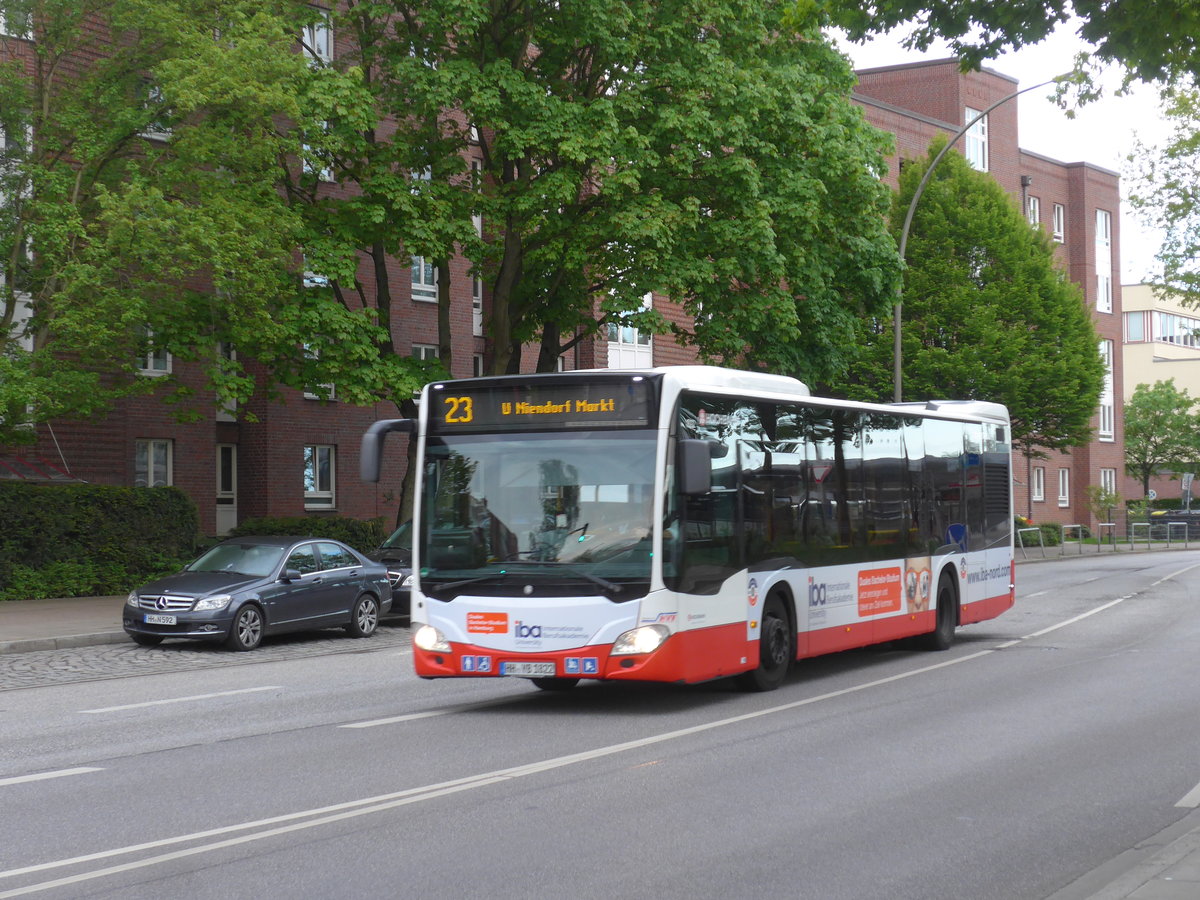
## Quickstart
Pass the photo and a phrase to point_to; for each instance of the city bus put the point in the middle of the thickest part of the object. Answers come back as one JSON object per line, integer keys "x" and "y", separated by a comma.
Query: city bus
{"x": 689, "y": 523}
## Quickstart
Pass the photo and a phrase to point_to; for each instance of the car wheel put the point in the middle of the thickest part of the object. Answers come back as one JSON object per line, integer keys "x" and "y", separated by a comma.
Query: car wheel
{"x": 146, "y": 640}
{"x": 246, "y": 632}
{"x": 364, "y": 617}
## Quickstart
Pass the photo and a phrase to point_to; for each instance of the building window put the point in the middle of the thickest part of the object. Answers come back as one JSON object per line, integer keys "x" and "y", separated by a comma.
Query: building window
{"x": 152, "y": 463}
{"x": 1039, "y": 483}
{"x": 426, "y": 351}
{"x": 1107, "y": 410}
{"x": 975, "y": 146}
{"x": 152, "y": 360}
{"x": 1060, "y": 223}
{"x": 1064, "y": 487}
{"x": 319, "y": 476}
{"x": 477, "y": 365}
{"x": 1135, "y": 326}
{"x": 1033, "y": 210}
{"x": 317, "y": 38}
{"x": 16, "y": 24}
{"x": 312, "y": 279}
{"x": 1103, "y": 261}
{"x": 317, "y": 391}
{"x": 314, "y": 163}
{"x": 424, "y": 280}
{"x": 157, "y": 112}
{"x": 629, "y": 347}
{"x": 1108, "y": 480}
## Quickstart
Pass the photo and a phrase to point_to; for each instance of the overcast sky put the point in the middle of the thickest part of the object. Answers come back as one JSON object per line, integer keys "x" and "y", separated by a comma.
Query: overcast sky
{"x": 1101, "y": 133}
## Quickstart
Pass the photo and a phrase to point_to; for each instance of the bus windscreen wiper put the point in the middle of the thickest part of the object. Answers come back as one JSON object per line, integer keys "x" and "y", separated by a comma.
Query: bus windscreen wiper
{"x": 451, "y": 585}
{"x": 563, "y": 567}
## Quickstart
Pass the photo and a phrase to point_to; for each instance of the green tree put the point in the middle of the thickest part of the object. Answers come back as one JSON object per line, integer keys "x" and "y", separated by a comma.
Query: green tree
{"x": 1154, "y": 40}
{"x": 144, "y": 209}
{"x": 173, "y": 189}
{"x": 988, "y": 313}
{"x": 1161, "y": 424}
{"x": 707, "y": 151}
{"x": 1164, "y": 182}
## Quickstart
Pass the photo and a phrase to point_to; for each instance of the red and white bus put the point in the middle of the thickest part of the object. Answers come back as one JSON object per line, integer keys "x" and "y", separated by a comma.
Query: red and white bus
{"x": 689, "y": 523}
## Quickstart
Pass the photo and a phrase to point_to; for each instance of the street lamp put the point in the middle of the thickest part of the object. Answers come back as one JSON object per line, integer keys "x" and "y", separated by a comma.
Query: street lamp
{"x": 912, "y": 208}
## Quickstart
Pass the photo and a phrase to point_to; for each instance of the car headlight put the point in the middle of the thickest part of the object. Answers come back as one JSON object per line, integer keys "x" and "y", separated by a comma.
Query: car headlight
{"x": 132, "y": 599}
{"x": 407, "y": 582}
{"x": 646, "y": 639}
{"x": 429, "y": 638}
{"x": 216, "y": 601}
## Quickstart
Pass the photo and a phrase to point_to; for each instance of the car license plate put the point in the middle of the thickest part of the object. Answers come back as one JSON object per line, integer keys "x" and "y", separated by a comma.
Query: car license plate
{"x": 528, "y": 669}
{"x": 156, "y": 619}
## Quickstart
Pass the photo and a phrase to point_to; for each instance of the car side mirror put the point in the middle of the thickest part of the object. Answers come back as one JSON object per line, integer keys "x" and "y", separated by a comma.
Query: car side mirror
{"x": 291, "y": 575}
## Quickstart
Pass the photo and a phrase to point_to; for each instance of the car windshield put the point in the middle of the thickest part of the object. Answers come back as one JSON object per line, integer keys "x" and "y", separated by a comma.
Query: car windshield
{"x": 400, "y": 539}
{"x": 244, "y": 559}
{"x": 576, "y": 506}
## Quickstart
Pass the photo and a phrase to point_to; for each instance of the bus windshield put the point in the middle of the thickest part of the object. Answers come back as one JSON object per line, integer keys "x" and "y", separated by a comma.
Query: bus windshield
{"x": 575, "y": 507}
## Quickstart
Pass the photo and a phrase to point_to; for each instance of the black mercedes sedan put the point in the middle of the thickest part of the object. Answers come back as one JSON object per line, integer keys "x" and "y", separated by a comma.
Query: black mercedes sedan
{"x": 248, "y": 587}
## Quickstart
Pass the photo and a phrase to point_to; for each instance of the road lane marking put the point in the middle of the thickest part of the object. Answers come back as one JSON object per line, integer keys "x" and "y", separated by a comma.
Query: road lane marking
{"x": 107, "y": 709}
{"x": 314, "y": 818}
{"x": 1191, "y": 799}
{"x": 444, "y": 711}
{"x": 43, "y": 776}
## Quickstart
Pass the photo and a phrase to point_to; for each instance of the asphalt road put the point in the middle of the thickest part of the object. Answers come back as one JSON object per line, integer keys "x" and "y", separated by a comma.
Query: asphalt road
{"x": 1044, "y": 744}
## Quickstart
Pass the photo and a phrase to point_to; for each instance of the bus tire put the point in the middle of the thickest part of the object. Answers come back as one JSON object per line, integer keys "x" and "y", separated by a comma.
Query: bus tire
{"x": 555, "y": 684}
{"x": 942, "y": 636}
{"x": 776, "y": 648}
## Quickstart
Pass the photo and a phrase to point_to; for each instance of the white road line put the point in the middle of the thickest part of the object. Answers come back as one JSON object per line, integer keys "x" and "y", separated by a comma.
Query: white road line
{"x": 434, "y": 713}
{"x": 43, "y": 776}
{"x": 1191, "y": 799}
{"x": 369, "y": 805}
{"x": 252, "y": 690}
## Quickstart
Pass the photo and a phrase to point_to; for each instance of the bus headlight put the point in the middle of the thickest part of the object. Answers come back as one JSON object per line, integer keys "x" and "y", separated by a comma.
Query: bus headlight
{"x": 429, "y": 638}
{"x": 646, "y": 639}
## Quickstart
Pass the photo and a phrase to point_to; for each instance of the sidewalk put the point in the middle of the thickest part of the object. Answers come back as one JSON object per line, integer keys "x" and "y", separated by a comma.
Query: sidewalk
{"x": 27, "y": 625}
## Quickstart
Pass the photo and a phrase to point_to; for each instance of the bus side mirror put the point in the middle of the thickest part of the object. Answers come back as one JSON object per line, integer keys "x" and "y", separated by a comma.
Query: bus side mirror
{"x": 695, "y": 467}
{"x": 371, "y": 453}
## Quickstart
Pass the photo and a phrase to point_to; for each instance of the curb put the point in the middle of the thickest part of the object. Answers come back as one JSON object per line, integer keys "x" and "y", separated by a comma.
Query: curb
{"x": 63, "y": 643}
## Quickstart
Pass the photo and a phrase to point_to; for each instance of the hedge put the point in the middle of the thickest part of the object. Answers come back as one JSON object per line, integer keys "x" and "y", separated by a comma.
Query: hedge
{"x": 364, "y": 535}
{"x": 64, "y": 540}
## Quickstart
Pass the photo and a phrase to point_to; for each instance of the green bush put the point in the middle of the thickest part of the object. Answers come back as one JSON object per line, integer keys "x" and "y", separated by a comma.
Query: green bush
{"x": 363, "y": 535}
{"x": 78, "y": 539}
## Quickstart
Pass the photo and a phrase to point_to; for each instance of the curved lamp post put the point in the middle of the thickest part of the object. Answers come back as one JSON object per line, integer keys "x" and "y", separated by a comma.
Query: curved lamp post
{"x": 912, "y": 208}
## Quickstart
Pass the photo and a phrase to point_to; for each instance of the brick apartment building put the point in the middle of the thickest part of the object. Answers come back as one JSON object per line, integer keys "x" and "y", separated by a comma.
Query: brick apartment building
{"x": 1077, "y": 203}
{"x": 298, "y": 455}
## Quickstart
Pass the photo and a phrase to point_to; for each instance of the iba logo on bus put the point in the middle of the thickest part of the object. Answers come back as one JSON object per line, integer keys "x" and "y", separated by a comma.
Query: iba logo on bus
{"x": 816, "y": 593}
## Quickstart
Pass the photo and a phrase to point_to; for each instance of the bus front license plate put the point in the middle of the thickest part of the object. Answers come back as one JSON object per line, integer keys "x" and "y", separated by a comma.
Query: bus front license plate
{"x": 528, "y": 669}
{"x": 152, "y": 619}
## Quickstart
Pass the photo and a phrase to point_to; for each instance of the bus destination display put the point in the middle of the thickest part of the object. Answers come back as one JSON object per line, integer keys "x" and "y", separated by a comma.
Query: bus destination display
{"x": 458, "y": 406}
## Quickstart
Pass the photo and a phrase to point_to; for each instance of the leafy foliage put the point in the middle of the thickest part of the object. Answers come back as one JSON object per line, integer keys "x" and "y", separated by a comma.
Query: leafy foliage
{"x": 71, "y": 540}
{"x": 1161, "y": 427}
{"x": 363, "y": 535}
{"x": 177, "y": 190}
{"x": 1154, "y": 40}
{"x": 987, "y": 313}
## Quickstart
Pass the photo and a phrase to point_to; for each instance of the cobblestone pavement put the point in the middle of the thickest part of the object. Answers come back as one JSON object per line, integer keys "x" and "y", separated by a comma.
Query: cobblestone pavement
{"x": 52, "y": 667}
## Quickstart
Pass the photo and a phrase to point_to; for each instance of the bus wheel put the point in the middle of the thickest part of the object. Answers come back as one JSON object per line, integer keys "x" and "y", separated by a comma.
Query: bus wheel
{"x": 776, "y": 649}
{"x": 555, "y": 684}
{"x": 942, "y": 635}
